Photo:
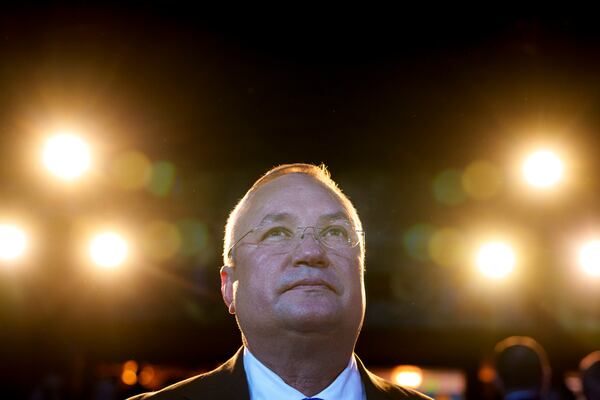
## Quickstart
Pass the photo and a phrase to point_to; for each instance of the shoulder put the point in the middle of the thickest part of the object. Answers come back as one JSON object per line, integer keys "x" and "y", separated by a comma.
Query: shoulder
{"x": 378, "y": 388}
{"x": 176, "y": 391}
{"x": 227, "y": 381}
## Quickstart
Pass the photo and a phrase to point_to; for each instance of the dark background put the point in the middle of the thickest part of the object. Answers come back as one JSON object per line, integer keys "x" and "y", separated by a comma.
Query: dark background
{"x": 387, "y": 99}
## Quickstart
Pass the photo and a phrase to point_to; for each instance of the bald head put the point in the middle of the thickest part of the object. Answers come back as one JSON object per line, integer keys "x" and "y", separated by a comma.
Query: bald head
{"x": 238, "y": 224}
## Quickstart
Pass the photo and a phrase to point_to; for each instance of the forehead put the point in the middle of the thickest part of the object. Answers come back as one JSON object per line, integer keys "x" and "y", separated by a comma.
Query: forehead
{"x": 298, "y": 196}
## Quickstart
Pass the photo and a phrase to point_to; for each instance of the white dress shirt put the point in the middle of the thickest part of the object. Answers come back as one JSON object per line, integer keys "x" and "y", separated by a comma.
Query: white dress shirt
{"x": 264, "y": 384}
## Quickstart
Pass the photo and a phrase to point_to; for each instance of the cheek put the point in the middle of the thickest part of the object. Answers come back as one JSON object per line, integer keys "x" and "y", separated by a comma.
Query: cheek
{"x": 359, "y": 288}
{"x": 354, "y": 280}
{"x": 358, "y": 294}
{"x": 350, "y": 267}
{"x": 258, "y": 278}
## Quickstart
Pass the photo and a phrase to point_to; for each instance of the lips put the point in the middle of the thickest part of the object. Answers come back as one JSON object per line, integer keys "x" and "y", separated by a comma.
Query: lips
{"x": 308, "y": 283}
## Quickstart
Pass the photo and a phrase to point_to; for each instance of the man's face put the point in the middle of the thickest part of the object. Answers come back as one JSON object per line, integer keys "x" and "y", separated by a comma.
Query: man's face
{"x": 310, "y": 288}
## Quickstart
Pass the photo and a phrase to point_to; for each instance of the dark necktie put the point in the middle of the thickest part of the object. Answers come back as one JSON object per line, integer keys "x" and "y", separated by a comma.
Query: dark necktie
{"x": 312, "y": 398}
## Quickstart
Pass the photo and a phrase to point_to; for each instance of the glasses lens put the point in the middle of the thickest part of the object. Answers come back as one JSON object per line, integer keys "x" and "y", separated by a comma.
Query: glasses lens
{"x": 274, "y": 235}
{"x": 338, "y": 236}
{"x": 284, "y": 239}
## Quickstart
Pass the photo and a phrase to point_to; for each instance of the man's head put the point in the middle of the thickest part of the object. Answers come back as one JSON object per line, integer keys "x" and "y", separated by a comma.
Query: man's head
{"x": 278, "y": 278}
{"x": 521, "y": 364}
{"x": 590, "y": 375}
{"x": 319, "y": 173}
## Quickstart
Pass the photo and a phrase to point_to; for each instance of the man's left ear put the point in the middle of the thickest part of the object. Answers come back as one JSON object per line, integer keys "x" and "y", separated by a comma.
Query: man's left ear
{"x": 227, "y": 280}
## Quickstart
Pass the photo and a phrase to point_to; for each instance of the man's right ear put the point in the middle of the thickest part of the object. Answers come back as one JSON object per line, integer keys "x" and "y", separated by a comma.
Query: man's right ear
{"x": 227, "y": 287}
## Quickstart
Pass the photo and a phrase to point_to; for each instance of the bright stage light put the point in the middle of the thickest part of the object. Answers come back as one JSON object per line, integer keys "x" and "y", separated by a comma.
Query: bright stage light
{"x": 496, "y": 259}
{"x": 543, "y": 169}
{"x": 108, "y": 250}
{"x": 589, "y": 258}
{"x": 66, "y": 156}
{"x": 407, "y": 375}
{"x": 13, "y": 242}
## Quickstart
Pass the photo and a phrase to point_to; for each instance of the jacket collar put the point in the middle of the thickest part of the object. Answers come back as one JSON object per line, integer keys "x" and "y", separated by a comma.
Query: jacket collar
{"x": 375, "y": 387}
{"x": 228, "y": 382}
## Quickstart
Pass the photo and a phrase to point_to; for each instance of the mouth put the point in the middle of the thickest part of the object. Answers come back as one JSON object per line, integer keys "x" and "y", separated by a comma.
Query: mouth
{"x": 310, "y": 284}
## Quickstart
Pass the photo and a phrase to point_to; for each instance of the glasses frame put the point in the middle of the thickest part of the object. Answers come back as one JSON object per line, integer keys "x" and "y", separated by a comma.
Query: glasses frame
{"x": 359, "y": 232}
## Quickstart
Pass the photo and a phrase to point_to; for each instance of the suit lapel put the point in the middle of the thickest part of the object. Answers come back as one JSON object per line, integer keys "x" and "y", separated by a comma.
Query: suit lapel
{"x": 372, "y": 383}
{"x": 238, "y": 385}
{"x": 228, "y": 382}
{"x": 377, "y": 388}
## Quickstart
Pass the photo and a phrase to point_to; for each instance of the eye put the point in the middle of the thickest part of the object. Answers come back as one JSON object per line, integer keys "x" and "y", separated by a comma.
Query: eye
{"x": 276, "y": 234}
{"x": 335, "y": 233}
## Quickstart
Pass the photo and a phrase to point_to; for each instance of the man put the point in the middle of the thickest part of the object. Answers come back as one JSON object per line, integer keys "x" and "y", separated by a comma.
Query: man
{"x": 293, "y": 277}
{"x": 590, "y": 375}
{"x": 522, "y": 369}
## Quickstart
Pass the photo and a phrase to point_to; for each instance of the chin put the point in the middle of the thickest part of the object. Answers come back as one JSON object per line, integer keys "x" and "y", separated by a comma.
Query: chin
{"x": 313, "y": 321}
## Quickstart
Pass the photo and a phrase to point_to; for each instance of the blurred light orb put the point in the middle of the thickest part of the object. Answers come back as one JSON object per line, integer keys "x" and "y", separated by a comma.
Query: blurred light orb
{"x": 13, "y": 242}
{"x": 589, "y": 258}
{"x": 407, "y": 375}
{"x": 130, "y": 365}
{"x": 446, "y": 247}
{"x": 481, "y": 180}
{"x": 162, "y": 240}
{"x": 147, "y": 377}
{"x": 194, "y": 236}
{"x": 543, "y": 169}
{"x": 486, "y": 374}
{"x": 108, "y": 250}
{"x": 129, "y": 377}
{"x": 416, "y": 240}
{"x": 496, "y": 260}
{"x": 162, "y": 179}
{"x": 66, "y": 156}
{"x": 131, "y": 170}
{"x": 447, "y": 187}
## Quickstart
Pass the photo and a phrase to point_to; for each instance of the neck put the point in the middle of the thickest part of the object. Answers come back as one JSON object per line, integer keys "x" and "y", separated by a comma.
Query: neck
{"x": 308, "y": 363}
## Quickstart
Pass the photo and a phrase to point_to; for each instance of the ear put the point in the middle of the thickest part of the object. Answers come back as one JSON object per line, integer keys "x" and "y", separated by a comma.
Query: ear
{"x": 227, "y": 287}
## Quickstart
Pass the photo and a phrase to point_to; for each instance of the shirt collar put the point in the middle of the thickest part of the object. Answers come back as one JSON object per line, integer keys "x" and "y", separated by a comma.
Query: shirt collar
{"x": 264, "y": 384}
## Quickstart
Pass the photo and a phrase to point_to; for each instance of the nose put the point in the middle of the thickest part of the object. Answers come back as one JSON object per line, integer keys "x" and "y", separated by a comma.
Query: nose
{"x": 310, "y": 252}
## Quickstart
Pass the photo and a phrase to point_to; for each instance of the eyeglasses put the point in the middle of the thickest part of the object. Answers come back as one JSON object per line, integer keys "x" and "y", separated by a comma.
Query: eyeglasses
{"x": 281, "y": 239}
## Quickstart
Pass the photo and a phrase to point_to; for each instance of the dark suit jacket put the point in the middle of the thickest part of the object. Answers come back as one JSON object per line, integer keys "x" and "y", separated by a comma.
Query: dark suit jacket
{"x": 228, "y": 382}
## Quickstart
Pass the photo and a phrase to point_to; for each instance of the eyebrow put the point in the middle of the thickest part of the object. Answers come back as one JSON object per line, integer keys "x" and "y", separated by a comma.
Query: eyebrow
{"x": 275, "y": 217}
{"x": 335, "y": 216}
{"x": 278, "y": 217}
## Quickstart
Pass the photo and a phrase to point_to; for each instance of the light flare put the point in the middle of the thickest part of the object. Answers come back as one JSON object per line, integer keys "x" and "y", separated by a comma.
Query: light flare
{"x": 543, "y": 169}
{"x": 67, "y": 156}
{"x": 13, "y": 242}
{"x": 496, "y": 260}
{"x": 589, "y": 258}
{"x": 108, "y": 250}
{"x": 407, "y": 375}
